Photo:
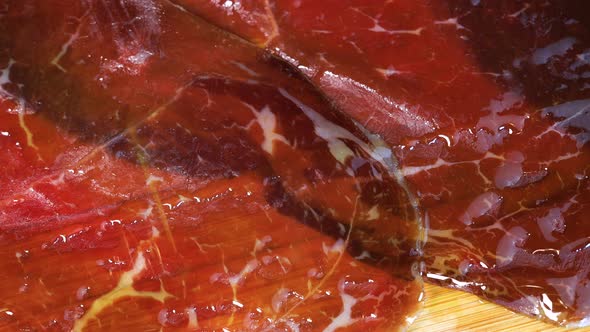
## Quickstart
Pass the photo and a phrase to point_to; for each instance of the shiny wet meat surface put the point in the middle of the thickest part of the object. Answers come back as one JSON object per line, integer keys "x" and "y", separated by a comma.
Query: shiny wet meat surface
{"x": 161, "y": 173}
{"x": 277, "y": 165}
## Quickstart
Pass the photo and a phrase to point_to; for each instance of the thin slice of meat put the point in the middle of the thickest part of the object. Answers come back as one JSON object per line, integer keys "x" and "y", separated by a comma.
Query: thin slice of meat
{"x": 486, "y": 103}
{"x": 163, "y": 174}
{"x": 517, "y": 235}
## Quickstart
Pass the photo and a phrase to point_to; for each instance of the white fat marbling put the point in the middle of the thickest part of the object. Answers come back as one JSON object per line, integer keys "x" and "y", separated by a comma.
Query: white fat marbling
{"x": 267, "y": 121}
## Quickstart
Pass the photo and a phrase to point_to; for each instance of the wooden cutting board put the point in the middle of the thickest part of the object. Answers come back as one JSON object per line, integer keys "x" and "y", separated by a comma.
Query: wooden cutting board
{"x": 452, "y": 310}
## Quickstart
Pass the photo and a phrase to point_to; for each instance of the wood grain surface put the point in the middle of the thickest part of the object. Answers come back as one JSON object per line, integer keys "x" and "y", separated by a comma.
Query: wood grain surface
{"x": 452, "y": 310}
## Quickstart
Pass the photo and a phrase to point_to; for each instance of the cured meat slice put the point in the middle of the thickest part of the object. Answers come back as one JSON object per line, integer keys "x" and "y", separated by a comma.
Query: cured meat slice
{"x": 163, "y": 174}
{"x": 535, "y": 197}
{"x": 486, "y": 103}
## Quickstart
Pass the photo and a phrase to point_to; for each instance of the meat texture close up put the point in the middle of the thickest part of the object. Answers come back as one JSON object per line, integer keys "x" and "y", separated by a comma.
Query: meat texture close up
{"x": 486, "y": 105}
{"x": 162, "y": 173}
{"x": 280, "y": 165}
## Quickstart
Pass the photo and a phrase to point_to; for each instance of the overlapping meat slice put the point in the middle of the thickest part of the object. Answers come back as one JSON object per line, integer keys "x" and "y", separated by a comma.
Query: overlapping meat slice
{"x": 515, "y": 229}
{"x": 487, "y": 103}
{"x": 163, "y": 174}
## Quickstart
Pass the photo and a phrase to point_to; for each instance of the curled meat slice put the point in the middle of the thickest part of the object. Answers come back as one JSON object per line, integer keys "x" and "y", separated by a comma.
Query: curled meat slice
{"x": 486, "y": 105}
{"x": 164, "y": 174}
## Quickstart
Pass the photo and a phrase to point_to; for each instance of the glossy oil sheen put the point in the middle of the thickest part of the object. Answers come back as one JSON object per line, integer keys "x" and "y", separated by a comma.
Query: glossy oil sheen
{"x": 486, "y": 106}
{"x": 162, "y": 174}
{"x": 201, "y": 160}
